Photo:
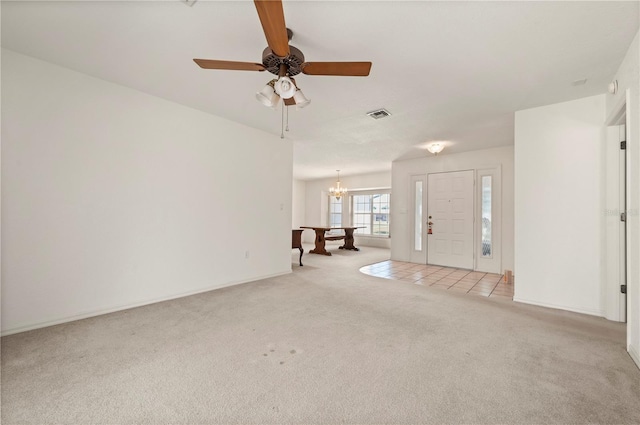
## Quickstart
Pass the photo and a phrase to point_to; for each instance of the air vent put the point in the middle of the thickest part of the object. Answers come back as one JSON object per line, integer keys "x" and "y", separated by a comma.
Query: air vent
{"x": 379, "y": 113}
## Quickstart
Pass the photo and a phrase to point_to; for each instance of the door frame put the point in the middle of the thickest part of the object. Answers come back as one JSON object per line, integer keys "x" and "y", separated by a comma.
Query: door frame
{"x": 615, "y": 305}
{"x": 494, "y": 265}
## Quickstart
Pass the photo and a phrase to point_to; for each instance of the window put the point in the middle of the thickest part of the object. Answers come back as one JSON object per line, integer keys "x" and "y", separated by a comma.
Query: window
{"x": 417, "y": 236}
{"x": 488, "y": 223}
{"x": 486, "y": 216}
{"x": 371, "y": 212}
{"x": 335, "y": 212}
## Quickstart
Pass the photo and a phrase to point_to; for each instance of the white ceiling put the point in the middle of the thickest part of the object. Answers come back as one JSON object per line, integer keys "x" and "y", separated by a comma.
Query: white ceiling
{"x": 452, "y": 71}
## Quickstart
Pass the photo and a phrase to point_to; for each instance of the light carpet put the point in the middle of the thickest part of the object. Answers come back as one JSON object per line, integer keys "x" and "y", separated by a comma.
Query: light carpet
{"x": 324, "y": 344}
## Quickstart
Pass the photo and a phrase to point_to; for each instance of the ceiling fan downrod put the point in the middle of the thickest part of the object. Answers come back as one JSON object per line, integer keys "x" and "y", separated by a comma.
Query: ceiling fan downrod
{"x": 284, "y": 69}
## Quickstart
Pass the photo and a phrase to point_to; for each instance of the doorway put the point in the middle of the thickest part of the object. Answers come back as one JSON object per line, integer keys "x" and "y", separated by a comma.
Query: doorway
{"x": 450, "y": 215}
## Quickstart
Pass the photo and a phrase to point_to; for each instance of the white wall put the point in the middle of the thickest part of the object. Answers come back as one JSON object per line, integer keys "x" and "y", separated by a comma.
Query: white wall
{"x": 559, "y": 205}
{"x": 112, "y": 198}
{"x": 298, "y": 203}
{"x": 487, "y": 158}
{"x": 629, "y": 93}
{"x": 316, "y": 213}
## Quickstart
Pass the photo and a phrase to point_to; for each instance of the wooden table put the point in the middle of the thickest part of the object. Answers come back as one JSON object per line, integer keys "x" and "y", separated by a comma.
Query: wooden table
{"x": 321, "y": 238}
{"x": 296, "y": 241}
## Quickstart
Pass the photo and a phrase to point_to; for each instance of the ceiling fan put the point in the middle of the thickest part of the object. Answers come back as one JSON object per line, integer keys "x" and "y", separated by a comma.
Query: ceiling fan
{"x": 284, "y": 60}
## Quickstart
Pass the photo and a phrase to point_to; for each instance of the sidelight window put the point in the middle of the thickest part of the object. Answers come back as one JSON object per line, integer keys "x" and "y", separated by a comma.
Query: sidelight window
{"x": 486, "y": 216}
{"x": 417, "y": 236}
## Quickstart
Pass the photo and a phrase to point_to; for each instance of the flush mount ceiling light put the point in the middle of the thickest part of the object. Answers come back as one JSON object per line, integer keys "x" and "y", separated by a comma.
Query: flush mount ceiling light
{"x": 435, "y": 148}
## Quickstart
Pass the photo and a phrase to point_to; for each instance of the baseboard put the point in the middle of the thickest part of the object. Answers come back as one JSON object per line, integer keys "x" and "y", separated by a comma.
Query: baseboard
{"x": 100, "y": 312}
{"x": 590, "y": 312}
{"x": 373, "y": 241}
{"x": 635, "y": 355}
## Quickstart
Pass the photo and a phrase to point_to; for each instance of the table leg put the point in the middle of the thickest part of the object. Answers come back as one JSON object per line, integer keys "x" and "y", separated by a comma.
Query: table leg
{"x": 301, "y": 251}
{"x": 320, "y": 243}
{"x": 348, "y": 240}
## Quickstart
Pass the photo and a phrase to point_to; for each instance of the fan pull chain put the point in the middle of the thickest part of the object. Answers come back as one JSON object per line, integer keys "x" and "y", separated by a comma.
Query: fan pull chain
{"x": 287, "y": 127}
{"x": 282, "y": 124}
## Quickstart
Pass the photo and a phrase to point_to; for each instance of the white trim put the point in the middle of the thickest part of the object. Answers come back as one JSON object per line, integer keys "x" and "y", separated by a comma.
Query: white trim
{"x": 628, "y": 236}
{"x": 381, "y": 190}
{"x": 100, "y": 312}
{"x": 589, "y": 311}
{"x": 635, "y": 356}
{"x": 618, "y": 111}
{"x": 355, "y": 235}
{"x": 614, "y": 242}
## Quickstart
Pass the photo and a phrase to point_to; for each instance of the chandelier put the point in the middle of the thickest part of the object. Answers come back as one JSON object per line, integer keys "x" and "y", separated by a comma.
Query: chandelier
{"x": 338, "y": 191}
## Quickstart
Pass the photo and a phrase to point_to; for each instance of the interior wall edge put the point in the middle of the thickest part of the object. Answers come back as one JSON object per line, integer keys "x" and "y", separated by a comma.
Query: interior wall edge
{"x": 635, "y": 356}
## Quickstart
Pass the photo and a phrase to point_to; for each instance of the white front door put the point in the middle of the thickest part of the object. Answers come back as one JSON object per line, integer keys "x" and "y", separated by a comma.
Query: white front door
{"x": 450, "y": 210}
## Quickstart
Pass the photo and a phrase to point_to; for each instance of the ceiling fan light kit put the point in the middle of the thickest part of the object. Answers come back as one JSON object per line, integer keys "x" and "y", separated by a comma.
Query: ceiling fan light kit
{"x": 268, "y": 96}
{"x": 300, "y": 99}
{"x": 285, "y": 87}
{"x": 284, "y": 60}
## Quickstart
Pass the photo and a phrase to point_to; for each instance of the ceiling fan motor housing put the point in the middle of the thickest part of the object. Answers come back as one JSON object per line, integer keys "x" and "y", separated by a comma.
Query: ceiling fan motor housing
{"x": 293, "y": 62}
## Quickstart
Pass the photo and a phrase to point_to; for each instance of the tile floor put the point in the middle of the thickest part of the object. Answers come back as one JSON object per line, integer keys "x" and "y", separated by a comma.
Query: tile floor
{"x": 459, "y": 280}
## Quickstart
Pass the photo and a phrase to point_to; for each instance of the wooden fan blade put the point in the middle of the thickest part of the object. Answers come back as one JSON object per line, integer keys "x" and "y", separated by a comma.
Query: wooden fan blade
{"x": 272, "y": 19}
{"x": 236, "y": 66}
{"x": 348, "y": 69}
{"x": 289, "y": 102}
